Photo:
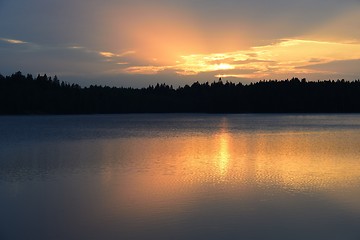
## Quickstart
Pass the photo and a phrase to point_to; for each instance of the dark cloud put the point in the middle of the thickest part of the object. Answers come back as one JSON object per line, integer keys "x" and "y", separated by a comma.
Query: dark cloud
{"x": 316, "y": 60}
{"x": 53, "y": 60}
{"x": 345, "y": 66}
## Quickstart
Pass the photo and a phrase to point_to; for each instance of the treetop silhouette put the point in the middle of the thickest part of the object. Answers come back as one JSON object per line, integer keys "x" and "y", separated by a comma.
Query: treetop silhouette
{"x": 20, "y": 94}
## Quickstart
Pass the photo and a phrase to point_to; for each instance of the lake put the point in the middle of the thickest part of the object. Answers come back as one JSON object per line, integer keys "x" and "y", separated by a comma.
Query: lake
{"x": 180, "y": 176}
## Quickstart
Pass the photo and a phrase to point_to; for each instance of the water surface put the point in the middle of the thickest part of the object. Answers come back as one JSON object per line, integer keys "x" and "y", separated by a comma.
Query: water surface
{"x": 180, "y": 177}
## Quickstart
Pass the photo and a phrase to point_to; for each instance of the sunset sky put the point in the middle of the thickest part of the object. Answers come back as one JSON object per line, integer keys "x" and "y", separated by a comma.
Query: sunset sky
{"x": 139, "y": 42}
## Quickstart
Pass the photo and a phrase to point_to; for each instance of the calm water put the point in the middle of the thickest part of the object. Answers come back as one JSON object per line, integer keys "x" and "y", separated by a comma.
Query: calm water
{"x": 180, "y": 177}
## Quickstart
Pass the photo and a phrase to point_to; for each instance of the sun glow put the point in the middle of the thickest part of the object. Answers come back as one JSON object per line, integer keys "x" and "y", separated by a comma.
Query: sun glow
{"x": 223, "y": 66}
{"x": 289, "y": 56}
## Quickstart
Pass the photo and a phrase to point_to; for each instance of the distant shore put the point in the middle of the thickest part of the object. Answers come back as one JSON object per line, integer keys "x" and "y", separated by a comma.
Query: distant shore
{"x": 43, "y": 95}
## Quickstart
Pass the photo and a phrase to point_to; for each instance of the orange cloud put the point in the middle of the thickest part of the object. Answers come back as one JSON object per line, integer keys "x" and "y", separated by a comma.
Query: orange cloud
{"x": 12, "y": 41}
{"x": 285, "y": 57}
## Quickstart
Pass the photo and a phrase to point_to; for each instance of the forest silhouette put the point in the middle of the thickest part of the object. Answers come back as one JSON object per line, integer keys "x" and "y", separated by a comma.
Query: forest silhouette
{"x": 20, "y": 94}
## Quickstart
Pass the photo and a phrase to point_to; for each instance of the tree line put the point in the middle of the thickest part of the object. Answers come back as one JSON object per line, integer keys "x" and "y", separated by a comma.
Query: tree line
{"x": 20, "y": 94}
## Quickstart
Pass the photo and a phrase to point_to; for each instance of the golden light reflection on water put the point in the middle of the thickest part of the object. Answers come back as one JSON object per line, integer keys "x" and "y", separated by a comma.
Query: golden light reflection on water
{"x": 224, "y": 155}
{"x": 165, "y": 172}
{"x": 161, "y": 176}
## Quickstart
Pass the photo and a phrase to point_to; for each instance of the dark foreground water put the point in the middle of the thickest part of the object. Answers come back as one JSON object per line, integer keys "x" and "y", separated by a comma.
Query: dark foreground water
{"x": 180, "y": 177}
